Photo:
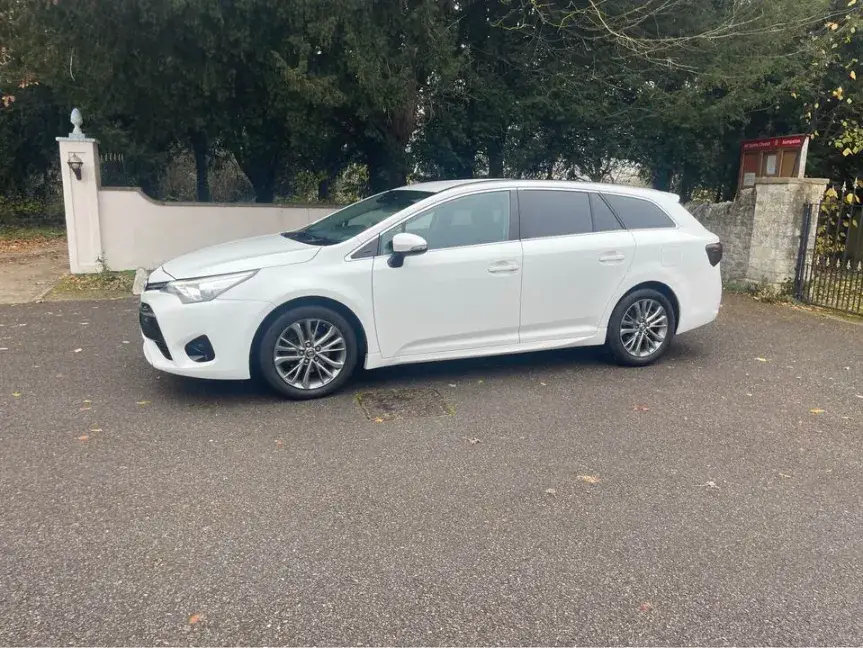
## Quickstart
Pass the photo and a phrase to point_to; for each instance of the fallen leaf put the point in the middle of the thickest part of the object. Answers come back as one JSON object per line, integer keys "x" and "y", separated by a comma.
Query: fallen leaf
{"x": 551, "y": 491}
{"x": 87, "y": 401}
{"x": 195, "y": 618}
{"x": 761, "y": 359}
{"x": 77, "y": 350}
{"x": 645, "y": 607}
{"x": 816, "y": 410}
{"x": 143, "y": 402}
{"x": 589, "y": 479}
{"x": 640, "y": 408}
{"x": 83, "y": 437}
{"x": 16, "y": 394}
{"x": 378, "y": 419}
{"x": 474, "y": 441}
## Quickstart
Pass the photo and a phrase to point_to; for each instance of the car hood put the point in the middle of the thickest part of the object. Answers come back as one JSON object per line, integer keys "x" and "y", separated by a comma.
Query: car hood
{"x": 238, "y": 256}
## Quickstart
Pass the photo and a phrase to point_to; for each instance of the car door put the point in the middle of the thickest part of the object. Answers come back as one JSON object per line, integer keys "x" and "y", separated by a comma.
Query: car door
{"x": 464, "y": 292}
{"x": 576, "y": 254}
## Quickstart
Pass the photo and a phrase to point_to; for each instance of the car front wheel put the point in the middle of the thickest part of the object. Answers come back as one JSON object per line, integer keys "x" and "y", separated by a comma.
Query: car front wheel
{"x": 308, "y": 352}
{"x": 641, "y": 327}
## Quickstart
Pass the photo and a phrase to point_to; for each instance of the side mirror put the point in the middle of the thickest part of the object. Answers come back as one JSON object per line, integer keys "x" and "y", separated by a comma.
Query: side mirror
{"x": 405, "y": 244}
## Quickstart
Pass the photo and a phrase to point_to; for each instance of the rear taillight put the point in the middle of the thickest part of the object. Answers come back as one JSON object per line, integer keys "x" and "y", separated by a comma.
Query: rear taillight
{"x": 714, "y": 253}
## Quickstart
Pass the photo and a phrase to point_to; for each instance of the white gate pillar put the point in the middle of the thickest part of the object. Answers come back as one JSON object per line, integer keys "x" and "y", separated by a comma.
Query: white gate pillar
{"x": 79, "y": 168}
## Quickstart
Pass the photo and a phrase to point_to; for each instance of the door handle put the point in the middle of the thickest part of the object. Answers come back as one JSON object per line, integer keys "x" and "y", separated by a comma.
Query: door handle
{"x": 612, "y": 257}
{"x": 502, "y": 267}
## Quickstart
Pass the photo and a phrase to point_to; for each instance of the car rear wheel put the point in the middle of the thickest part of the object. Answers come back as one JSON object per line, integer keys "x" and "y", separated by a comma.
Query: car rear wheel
{"x": 308, "y": 352}
{"x": 641, "y": 328}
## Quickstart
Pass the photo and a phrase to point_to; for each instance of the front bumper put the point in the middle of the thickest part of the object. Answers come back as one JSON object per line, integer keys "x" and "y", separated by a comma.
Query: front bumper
{"x": 230, "y": 325}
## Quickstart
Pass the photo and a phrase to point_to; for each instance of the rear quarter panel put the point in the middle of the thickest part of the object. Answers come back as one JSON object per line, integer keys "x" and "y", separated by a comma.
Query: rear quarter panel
{"x": 676, "y": 258}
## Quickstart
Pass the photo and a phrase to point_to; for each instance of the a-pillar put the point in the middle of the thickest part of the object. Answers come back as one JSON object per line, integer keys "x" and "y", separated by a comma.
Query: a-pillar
{"x": 79, "y": 167}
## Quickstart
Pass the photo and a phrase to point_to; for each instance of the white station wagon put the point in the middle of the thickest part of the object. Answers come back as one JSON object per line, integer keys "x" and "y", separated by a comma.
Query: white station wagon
{"x": 437, "y": 271}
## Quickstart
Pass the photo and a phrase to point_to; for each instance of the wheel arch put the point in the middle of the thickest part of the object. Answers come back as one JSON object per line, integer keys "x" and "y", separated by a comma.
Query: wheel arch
{"x": 662, "y": 288}
{"x": 339, "y": 307}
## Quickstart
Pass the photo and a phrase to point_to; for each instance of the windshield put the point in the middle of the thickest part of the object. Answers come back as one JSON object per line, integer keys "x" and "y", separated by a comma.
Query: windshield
{"x": 354, "y": 219}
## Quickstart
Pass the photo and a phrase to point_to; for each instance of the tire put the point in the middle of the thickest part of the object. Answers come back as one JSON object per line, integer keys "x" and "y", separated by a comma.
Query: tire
{"x": 301, "y": 373}
{"x": 635, "y": 328}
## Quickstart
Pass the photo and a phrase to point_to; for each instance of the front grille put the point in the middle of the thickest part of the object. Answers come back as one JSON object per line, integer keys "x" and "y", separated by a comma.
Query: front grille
{"x": 150, "y": 329}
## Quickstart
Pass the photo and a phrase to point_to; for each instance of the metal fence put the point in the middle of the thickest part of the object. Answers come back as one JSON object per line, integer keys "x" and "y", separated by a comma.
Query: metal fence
{"x": 829, "y": 269}
{"x": 112, "y": 168}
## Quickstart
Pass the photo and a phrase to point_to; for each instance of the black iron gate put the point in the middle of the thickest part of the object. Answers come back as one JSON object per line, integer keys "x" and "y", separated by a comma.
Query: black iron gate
{"x": 829, "y": 269}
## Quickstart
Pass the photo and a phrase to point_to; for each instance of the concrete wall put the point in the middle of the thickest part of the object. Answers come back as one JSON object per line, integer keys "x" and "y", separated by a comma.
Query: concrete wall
{"x": 138, "y": 232}
{"x": 732, "y": 222}
{"x": 122, "y": 229}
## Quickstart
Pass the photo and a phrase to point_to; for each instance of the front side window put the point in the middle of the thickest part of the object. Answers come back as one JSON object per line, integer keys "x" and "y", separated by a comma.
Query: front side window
{"x": 636, "y": 213}
{"x": 553, "y": 213}
{"x": 470, "y": 220}
{"x": 354, "y": 219}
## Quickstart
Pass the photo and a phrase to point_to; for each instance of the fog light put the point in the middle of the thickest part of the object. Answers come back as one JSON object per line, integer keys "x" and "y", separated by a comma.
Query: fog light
{"x": 200, "y": 349}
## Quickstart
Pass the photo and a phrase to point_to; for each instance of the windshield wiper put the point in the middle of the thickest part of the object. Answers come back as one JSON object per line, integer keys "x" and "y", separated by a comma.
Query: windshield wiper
{"x": 307, "y": 237}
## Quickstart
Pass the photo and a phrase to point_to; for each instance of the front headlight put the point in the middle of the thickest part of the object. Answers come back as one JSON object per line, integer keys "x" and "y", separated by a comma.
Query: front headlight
{"x": 204, "y": 289}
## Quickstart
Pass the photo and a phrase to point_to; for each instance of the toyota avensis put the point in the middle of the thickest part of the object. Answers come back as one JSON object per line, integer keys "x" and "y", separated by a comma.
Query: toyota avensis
{"x": 437, "y": 271}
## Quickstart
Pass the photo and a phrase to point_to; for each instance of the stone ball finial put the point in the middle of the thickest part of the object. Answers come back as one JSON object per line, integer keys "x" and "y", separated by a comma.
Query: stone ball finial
{"x": 77, "y": 120}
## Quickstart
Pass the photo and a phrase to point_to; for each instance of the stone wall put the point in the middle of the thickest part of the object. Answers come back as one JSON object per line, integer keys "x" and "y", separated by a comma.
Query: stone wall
{"x": 778, "y": 221}
{"x": 761, "y": 229}
{"x": 732, "y": 222}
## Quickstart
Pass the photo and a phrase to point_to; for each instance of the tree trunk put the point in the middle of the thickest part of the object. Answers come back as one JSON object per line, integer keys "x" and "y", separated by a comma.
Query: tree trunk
{"x": 325, "y": 189}
{"x": 202, "y": 181}
{"x": 387, "y": 167}
{"x": 662, "y": 178}
{"x": 261, "y": 172}
{"x": 265, "y": 188}
{"x": 495, "y": 160}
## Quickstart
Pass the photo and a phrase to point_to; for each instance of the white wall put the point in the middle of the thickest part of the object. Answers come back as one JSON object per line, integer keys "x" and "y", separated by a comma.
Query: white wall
{"x": 138, "y": 232}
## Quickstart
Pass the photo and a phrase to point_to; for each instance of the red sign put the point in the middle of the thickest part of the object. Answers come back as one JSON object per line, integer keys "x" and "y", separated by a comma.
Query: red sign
{"x": 790, "y": 141}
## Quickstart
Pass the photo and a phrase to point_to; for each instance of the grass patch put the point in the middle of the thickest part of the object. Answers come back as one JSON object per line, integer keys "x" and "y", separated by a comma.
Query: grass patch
{"x": 767, "y": 293}
{"x": 29, "y": 239}
{"x": 101, "y": 285}
{"x": 10, "y": 233}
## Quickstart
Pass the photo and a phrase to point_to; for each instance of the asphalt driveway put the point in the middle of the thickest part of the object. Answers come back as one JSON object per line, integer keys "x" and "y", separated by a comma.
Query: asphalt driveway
{"x": 712, "y": 499}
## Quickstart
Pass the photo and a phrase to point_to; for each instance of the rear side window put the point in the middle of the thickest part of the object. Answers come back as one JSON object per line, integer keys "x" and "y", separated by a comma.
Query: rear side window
{"x": 553, "y": 213}
{"x": 636, "y": 213}
{"x": 604, "y": 219}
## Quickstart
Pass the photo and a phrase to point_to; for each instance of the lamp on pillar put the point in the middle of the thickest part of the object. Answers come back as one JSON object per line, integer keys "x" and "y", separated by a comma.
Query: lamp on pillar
{"x": 75, "y": 163}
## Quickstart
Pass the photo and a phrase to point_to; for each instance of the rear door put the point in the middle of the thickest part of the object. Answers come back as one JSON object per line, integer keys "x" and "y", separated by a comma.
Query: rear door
{"x": 576, "y": 254}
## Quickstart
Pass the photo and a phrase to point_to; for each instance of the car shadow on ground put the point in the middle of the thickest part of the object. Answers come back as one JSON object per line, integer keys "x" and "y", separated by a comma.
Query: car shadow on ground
{"x": 245, "y": 392}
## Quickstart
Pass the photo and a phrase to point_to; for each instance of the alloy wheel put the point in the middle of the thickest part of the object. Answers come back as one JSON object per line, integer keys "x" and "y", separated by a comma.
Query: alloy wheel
{"x": 310, "y": 353}
{"x": 644, "y": 328}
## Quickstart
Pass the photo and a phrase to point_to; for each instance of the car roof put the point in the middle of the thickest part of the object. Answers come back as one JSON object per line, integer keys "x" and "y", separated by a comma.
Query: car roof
{"x": 446, "y": 185}
{"x": 436, "y": 186}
